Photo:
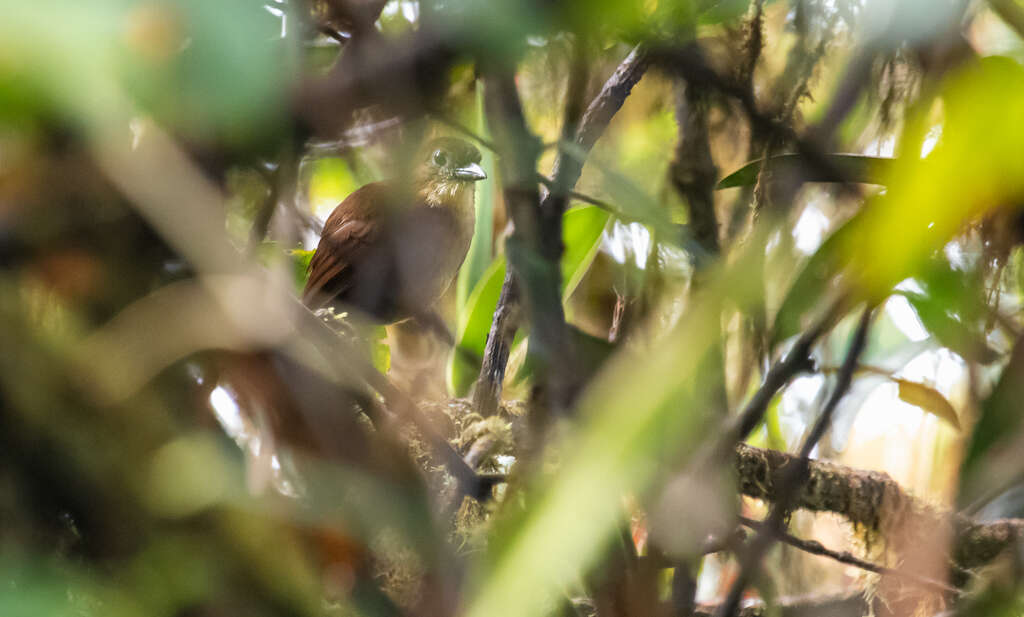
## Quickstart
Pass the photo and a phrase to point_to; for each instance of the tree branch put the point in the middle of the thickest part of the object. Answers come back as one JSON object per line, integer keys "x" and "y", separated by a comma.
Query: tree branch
{"x": 693, "y": 171}
{"x": 750, "y": 561}
{"x": 567, "y": 170}
{"x": 816, "y": 548}
{"x": 874, "y": 501}
{"x": 535, "y": 245}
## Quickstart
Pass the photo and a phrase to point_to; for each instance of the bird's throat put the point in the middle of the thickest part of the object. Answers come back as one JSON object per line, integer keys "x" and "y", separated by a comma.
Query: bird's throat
{"x": 446, "y": 193}
{"x": 454, "y": 195}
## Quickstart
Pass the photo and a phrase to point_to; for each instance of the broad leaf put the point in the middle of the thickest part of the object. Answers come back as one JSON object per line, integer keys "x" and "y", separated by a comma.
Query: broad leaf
{"x": 991, "y": 461}
{"x": 474, "y": 324}
{"x": 582, "y": 229}
{"x": 836, "y": 168}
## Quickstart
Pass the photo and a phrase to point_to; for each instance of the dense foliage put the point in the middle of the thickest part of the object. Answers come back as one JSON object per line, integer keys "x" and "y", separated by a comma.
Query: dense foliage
{"x": 741, "y": 317}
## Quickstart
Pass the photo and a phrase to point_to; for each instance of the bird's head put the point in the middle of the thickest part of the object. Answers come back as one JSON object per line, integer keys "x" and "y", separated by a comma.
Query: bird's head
{"x": 449, "y": 166}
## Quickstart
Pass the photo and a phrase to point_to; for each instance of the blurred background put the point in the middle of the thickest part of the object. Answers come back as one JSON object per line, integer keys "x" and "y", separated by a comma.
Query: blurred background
{"x": 790, "y": 224}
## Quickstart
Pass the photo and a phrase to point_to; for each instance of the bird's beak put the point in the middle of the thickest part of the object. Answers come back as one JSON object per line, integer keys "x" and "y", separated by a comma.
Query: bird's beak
{"x": 471, "y": 172}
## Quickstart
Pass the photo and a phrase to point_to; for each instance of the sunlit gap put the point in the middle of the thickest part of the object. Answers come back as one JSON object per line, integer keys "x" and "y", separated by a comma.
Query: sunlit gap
{"x": 264, "y": 467}
{"x": 409, "y": 10}
{"x": 627, "y": 242}
{"x": 228, "y": 414}
{"x": 810, "y": 229}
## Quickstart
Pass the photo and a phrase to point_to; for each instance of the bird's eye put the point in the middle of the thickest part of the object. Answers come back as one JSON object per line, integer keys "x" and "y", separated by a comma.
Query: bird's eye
{"x": 439, "y": 158}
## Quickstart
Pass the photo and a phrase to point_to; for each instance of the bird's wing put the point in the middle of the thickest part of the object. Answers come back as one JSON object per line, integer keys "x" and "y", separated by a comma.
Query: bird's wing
{"x": 350, "y": 231}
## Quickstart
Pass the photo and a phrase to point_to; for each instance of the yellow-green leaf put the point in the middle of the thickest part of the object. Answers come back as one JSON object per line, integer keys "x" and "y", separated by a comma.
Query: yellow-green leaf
{"x": 929, "y": 399}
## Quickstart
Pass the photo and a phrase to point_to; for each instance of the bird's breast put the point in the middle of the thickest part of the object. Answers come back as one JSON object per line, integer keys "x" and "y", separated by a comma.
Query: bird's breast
{"x": 415, "y": 262}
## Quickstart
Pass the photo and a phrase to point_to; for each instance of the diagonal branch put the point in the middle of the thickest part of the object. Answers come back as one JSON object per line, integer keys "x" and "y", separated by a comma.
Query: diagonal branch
{"x": 567, "y": 170}
{"x": 816, "y": 548}
{"x": 874, "y": 501}
{"x": 750, "y": 561}
{"x": 535, "y": 245}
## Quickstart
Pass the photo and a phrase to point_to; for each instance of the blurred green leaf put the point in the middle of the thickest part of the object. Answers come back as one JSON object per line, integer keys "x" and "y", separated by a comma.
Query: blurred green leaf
{"x": 630, "y": 200}
{"x": 481, "y": 249}
{"x": 973, "y": 168}
{"x": 300, "y": 259}
{"x": 574, "y": 513}
{"x": 208, "y": 69}
{"x": 32, "y": 589}
{"x": 582, "y": 229}
{"x": 951, "y": 308}
{"x": 330, "y": 181}
{"x": 719, "y": 11}
{"x": 995, "y": 435}
{"x": 380, "y": 353}
{"x": 590, "y": 353}
{"x": 850, "y": 168}
{"x": 807, "y": 291}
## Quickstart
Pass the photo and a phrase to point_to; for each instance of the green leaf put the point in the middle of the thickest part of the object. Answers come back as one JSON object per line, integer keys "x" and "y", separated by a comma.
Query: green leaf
{"x": 211, "y": 70}
{"x": 474, "y": 324}
{"x": 582, "y": 229}
{"x": 849, "y": 168}
{"x": 300, "y": 259}
{"x": 951, "y": 307}
{"x": 952, "y": 333}
{"x": 226, "y": 83}
{"x": 582, "y": 232}
{"x": 590, "y": 353}
{"x": 995, "y": 434}
{"x": 380, "y": 353}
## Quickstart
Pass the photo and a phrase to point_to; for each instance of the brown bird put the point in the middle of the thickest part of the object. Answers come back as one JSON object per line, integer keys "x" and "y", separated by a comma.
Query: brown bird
{"x": 392, "y": 248}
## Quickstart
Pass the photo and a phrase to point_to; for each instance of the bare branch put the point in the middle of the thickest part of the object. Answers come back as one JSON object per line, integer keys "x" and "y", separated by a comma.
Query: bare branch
{"x": 816, "y": 548}
{"x": 751, "y": 559}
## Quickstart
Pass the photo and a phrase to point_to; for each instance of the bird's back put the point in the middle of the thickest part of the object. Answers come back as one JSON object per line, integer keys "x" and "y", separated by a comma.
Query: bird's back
{"x": 385, "y": 260}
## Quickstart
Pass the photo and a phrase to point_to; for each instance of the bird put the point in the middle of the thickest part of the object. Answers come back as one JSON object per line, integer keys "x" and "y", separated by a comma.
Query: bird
{"x": 392, "y": 248}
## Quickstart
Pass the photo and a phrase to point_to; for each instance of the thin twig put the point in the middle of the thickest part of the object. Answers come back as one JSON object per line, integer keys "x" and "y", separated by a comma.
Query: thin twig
{"x": 499, "y": 345}
{"x": 797, "y": 360}
{"x": 693, "y": 68}
{"x": 758, "y": 547}
{"x": 753, "y": 45}
{"x": 345, "y": 362}
{"x": 567, "y": 170}
{"x": 816, "y": 548}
